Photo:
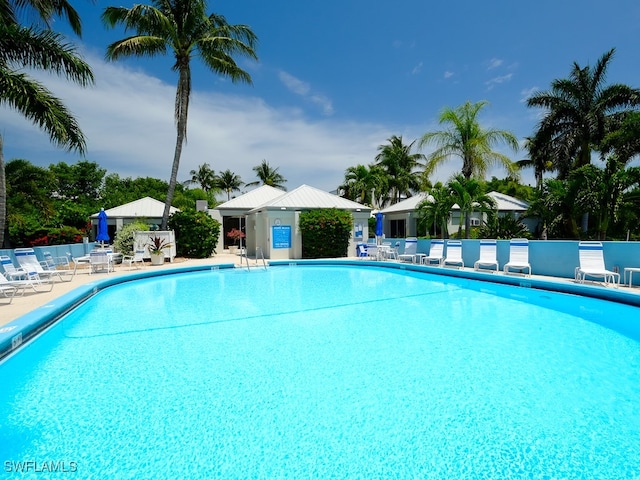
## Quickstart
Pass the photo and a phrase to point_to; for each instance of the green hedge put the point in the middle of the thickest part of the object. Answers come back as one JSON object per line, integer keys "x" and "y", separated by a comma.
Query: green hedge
{"x": 196, "y": 233}
{"x": 325, "y": 233}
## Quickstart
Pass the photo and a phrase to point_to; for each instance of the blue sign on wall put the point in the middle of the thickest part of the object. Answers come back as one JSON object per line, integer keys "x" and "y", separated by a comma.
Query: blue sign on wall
{"x": 281, "y": 235}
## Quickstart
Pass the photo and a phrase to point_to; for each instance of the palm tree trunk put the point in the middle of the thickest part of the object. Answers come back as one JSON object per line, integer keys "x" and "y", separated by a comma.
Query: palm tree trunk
{"x": 182, "y": 107}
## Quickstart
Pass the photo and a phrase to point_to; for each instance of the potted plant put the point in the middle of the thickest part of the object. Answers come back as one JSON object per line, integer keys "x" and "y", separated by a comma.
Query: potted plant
{"x": 236, "y": 235}
{"x": 156, "y": 248}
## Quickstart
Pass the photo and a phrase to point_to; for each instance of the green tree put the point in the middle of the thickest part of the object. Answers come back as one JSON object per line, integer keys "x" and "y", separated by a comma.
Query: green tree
{"x": 361, "y": 182}
{"x": 184, "y": 28}
{"x": 469, "y": 194}
{"x": 578, "y": 111}
{"x": 229, "y": 182}
{"x": 80, "y": 181}
{"x": 268, "y": 176}
{"x": 399, "y": 166}
{"x": 203, "y": 176}
{"x": 118, "y": 191}
{"x": 435, "y": 210}
{"x": 37, "y": 47}
{"x": 464, "y": 137}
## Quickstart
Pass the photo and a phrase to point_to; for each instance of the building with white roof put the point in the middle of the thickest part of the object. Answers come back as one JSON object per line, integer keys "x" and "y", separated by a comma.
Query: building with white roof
{"x": 269, "y": 218}
{"x": 147, "y": 209}
{"x": 400, "y": 219}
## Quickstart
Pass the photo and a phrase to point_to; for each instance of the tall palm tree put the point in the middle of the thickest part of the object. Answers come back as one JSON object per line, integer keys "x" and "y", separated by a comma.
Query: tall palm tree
{"x": 399, "y": 165}
{"x": 364, "y": 184}
{"x": 183, "y": 28}
{"x": 38, "y": 47}
{"x": 465, "y": 138}
{"x": 579, "y": 110}
{"x": 203, "y": 176}
{"x": 229, "y": 182}
{"x": 268, "y": 176}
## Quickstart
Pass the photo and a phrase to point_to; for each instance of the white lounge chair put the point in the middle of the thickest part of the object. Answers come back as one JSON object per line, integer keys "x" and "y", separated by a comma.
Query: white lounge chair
{"x": 591, "y": 255}
{"x": 20, "y": 283}
{"x": 100, "y": 260}
{"x": 436, "y": 253}
{"x": 373, "y": 251}
{"x": 134, "y": 260}
{"x": 410, "y": 250}
{"x": 7, "y": 289}
{"x": 488, "y": 255}
{"x": 27, "y": 259}
{"x": 454, "y": 254}
{"x": 12, "y": 272}
{"x": 518, "y": 256}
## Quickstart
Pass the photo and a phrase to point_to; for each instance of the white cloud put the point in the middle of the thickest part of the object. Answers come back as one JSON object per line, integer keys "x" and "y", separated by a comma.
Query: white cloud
{"x": 128, "y": 120}
{"x": 498, "y": 80}
{"x": 448, "y": 74}
{"x": 303, "y": 89}
{"x": 292, "y": 83}
{"x": 417, "y": 69}
{"x": 494, "y": 63}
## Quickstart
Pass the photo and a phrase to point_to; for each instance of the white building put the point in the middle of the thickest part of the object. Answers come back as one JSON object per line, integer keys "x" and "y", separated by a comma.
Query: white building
{"x": 400, "y": 219}
{"x": 269, "y": 217}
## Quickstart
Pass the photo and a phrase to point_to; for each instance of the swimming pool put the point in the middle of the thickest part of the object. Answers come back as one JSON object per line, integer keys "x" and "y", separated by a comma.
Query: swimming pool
{"x": 328, "y": 371}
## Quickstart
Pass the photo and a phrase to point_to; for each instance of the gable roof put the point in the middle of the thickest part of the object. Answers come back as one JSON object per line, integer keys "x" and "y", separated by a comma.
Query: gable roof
{"x": 305, "y": 197}
{"x": 407, "y": 205}
{"x": 504, "y": 203}
{"x": 252, "y": 199}
{"x": 146, "y": 207}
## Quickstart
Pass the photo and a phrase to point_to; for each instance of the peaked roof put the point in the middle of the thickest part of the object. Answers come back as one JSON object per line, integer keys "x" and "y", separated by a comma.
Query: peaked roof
{"x": 504, "y": 203}
{"x": 406, "y": 205}
{"x": 146, "y": 207}
{"x": 252, "y": 199}
{"x": 508, "y": 203}
{"x": 306, "y": 197}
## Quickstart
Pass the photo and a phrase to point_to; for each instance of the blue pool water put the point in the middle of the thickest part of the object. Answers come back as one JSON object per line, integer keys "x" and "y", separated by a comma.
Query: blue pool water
{"x": 327, "y": 372}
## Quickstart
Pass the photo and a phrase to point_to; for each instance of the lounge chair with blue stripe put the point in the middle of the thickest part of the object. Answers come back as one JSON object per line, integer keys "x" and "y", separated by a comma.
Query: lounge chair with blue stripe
{"x": 518, "y": 256}
{"x": 27, "y": 259}
{"x": 488, "y": 255}
{"x": 591, "y": 256}
{"x": 436, "y": 253}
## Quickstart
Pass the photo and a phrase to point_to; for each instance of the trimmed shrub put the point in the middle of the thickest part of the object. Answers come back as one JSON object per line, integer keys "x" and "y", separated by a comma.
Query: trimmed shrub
{"x": 196, "y": 233}
{"x": 123, "y": 241}
{"x": 325, "y": 233}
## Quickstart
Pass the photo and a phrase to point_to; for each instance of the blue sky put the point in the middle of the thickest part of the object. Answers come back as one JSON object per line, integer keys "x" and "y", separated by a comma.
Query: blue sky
{"x": 334, "y": 80}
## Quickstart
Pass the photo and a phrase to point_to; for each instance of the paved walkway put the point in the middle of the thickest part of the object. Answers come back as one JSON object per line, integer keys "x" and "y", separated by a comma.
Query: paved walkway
{"x": 32, "y": 300}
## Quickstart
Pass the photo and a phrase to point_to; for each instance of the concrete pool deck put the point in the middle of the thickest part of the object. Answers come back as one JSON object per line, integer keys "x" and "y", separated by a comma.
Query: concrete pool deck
{"x": 30, "y": 300}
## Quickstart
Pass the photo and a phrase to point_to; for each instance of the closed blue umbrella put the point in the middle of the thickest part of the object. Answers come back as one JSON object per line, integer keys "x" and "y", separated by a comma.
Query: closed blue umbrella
{"x": 379, "y": 230}
{"x": 103, "y": 232}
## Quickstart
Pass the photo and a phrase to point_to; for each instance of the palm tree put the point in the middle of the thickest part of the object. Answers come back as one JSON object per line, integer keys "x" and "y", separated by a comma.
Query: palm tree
{"x": 436, "y": 209}
{"x": 268, "y": 176}
{"x": 184, "y": 28}
{"x": 37, "y": 47}
{"x": 465, "y": 138}
{"x": 539, "y": 159}
{"x": 229, "y": 182}
{"x": 203, "y": 176}
{"x": 469, "y": 194}
{"x": 399, "y": 166}
{"x": 579, "y": 110}
{"x": 364, "y": 184}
